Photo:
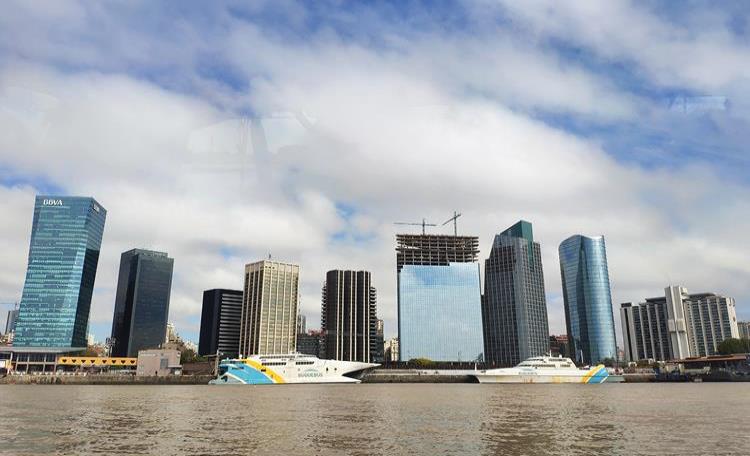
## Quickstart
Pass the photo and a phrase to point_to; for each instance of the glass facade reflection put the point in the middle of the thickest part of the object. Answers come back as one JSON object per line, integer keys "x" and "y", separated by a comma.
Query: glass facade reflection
{"x": 440, "y": 312}
{"x": 142, "y": 301}
{"x": 588, "y": 301}
{"x": 66, "y": 236}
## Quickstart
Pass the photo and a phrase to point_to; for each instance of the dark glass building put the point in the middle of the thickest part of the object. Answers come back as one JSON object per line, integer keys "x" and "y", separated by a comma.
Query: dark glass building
{"x": 66, "y": 236}
{"x": 142, "y": 301}
{"x": 588, "y": 301}
{"x": 439, "y": 297}
{"x": 514, "y": 306}
{"x": 348, "y": 316}
{"x": 220, "y": 322}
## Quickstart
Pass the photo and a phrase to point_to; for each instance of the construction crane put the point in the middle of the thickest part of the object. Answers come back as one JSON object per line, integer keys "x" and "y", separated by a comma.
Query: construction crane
{"x": 453, "y": 219}
{"x": 424, "y": 224}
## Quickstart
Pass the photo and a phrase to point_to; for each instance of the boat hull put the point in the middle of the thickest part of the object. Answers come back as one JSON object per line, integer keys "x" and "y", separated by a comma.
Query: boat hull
{"x": 254, "y": 372}
{"x": 598, "y": 374}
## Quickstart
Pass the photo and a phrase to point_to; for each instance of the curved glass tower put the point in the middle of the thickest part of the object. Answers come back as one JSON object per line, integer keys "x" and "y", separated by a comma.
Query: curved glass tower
{"x": 588, "y": 301}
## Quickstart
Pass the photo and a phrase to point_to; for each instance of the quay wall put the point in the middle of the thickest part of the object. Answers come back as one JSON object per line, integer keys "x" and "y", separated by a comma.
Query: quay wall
{"x": 105, "y": 380}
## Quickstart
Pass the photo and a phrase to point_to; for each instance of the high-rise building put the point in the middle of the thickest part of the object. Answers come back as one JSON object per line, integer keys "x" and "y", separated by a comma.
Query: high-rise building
{"x": 390, "y": 351}
{"x": 439, "y": 297}
{"x": 588, "y": 300}
{"x": 677, "y": 326}
{"x": 376, "y": 343}
{"x": 10, "y": 321}
{"x": 311, "y": 343}
{"x": 66, "y": 236}
{"x": 301, "y": 324}
{"x": 142, "y": 301}
{"x": 269, "y": 309}
{"x": 514, "y": 306}
{"x": 743, "y": 327}
{"x": 220, "y": 322}
{"x": 348, "y": 315}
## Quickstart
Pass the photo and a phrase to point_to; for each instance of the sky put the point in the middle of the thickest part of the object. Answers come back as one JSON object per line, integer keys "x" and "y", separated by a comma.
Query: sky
{"x": 222, "y": 132}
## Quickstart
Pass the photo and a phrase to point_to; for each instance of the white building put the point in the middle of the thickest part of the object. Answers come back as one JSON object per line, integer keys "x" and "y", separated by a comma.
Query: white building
{"x": 390, "y": 350}
{"x": 678, "y": 325}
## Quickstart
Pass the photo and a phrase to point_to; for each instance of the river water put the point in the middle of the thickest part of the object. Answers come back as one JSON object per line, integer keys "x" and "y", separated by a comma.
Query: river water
{"x": 429, "y": 419}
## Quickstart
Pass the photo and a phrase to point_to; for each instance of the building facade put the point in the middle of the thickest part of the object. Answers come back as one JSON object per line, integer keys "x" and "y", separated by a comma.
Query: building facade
{"x": 588, "y": 301}
{"x": 301, "y": 324}
{"x": 144, "y": 286}
{"x": 743, "y": 327}
{"x": 220, "y": 322}
{"x": 311, "y": 343}
{"x": 439, "y": 298}
{"x": 66, "y": 236}
{"x": 348, "y": 315}
{"x": 390, "y": 351}
{"x": 268, "y": 324}
{"x": 677, "y": 326}
{"x": 559, "y": 346}
{"x": 514, "y": 306}
{"x": 10, "y": 321}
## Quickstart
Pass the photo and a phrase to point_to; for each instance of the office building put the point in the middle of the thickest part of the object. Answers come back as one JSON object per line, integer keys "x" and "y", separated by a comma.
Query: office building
{"x": 376, "y": 342}
{"x": 144, "y": 285}
{"x": 66, "y": 236}
{"x": 301, "y": 324}
{"x": 311, "y": 343}
{"x": 588, "y": 300}
{"x": 268, "y": 324}
{"x": 743, "y": 328}
{"x": 348, "y": 315}
{"x": 10, "y": 321}
{"x": 677, "y": 326}
{"x": 559, "y": 346}
{"x": 514, "y": 306}
{"x": 220, "y": 323}
{"x": 439, "y": 297}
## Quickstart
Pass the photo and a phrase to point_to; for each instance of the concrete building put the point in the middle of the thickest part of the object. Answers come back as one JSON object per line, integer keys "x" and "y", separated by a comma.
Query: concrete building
{"x": 348, "y": 315}
{"x": 588, "y": 300}
{"x": 66, "y": 236}
{"x": 559, "y": 346}
{"x": 514, "y": 306}
{"x": 142, "y": 301}
{"x": 677, "y": 326}
{"x": 268, "y": 324}
{"x": 158, "y": 362}
{"x": 439, "y": 297}
{"x": 301, "y": 324}
{"x": 376, "y": 343}
{"x": 743, "y": 327}
{"x": 390, "y": 350}
{"x": 220, "y": 322}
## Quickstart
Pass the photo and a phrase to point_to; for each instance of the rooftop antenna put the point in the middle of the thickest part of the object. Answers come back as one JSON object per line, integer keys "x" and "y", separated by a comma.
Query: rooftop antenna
{"x": 424, "y": 224}
{"x": 453, "y": 219}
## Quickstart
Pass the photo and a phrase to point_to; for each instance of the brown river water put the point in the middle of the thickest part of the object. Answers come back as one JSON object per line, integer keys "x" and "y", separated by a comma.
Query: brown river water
{"x": 400, "y": 419}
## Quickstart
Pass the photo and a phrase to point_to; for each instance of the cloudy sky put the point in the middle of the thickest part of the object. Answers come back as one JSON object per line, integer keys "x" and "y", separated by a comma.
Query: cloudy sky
{"x": 221, "y": 133}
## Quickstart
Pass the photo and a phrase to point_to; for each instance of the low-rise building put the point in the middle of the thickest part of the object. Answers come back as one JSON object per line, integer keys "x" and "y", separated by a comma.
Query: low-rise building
{"x": 159, "y": 362}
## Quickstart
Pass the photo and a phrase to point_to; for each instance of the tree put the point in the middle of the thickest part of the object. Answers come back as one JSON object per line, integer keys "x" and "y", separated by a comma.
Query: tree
{"x": 421, "y": 362}
{"x": 609, "y": 362}
{"x": 732, "y": 345}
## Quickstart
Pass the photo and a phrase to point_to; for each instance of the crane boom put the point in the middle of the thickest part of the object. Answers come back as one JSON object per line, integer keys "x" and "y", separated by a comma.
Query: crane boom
{"x": 453, "y": 219}
{"x": 424, "y": 224}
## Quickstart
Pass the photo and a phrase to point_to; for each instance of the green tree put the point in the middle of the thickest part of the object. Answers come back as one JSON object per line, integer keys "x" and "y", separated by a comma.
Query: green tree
{"x": 731, "y": 346}
{"x": 609, "y": 362}
{"x": 421, "y": 362}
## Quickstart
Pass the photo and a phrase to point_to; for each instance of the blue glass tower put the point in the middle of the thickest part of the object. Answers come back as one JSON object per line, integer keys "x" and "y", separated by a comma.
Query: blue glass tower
{"x": 66, "y": 236}
{"x": 588, "y": 301}
{"x": 439, "y": 298}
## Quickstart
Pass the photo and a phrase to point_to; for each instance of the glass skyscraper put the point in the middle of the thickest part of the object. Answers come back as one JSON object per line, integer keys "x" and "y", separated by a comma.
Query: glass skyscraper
{"x": 588, "y": 301}
{"x": 66, "y": 236}
{"x": 439, "y": 298}
{"x": 514, "y": 307}
{"x": 348, "y": 315}
{"x": 142, "y": 301}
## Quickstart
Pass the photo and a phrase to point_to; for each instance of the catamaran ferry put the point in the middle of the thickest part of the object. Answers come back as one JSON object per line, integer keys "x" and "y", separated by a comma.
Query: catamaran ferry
{"x": 292, "y": 368}
{"x": 546, "y": 369}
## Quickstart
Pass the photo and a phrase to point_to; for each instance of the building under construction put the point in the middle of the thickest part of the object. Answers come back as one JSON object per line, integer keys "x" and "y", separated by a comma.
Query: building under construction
{"x": 439, "y": 310}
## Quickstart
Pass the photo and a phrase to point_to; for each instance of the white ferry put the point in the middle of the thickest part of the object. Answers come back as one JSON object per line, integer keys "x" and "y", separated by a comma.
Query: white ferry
{"x": 292, "y": 368}
{"x": 546, "y": 369}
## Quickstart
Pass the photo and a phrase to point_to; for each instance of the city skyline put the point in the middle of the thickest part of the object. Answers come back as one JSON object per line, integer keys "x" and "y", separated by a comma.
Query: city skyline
{"x": 487, "y": 109}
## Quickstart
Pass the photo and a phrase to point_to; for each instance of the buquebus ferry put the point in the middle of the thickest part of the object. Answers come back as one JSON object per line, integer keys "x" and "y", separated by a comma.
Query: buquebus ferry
{"x": 291, "y": 368}
{"x": 547, "y": 369}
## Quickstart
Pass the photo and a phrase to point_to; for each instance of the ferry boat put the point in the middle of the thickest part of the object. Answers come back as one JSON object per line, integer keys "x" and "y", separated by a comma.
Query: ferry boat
{"x": 546, "y": 369}
{"x": 291, "y": 368}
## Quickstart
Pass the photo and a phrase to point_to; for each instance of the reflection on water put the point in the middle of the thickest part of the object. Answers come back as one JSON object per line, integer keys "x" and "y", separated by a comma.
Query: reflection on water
{"x": 376, "y": 419}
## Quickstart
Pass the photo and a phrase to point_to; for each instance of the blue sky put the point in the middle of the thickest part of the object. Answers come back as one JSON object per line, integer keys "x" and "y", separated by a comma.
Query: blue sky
{"x": 220, "y": 132}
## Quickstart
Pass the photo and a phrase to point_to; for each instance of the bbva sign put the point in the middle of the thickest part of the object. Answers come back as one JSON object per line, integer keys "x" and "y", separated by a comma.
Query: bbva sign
{"x": 52, "y": 202}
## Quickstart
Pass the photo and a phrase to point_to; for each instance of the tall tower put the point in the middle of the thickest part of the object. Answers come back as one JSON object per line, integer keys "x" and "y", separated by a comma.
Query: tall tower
{"x": 142, "y": 302}
{"x": 514, "y": 307}
{"x": 588, "y": 300}
{"x": 220, "y": 322}
{"x": 66, "y": 236}
{"x": 269, "y": 309}
{"x": 439, "y": 297}
{"x": 348, "y": 315}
